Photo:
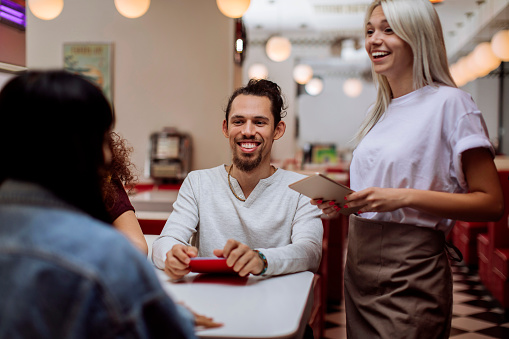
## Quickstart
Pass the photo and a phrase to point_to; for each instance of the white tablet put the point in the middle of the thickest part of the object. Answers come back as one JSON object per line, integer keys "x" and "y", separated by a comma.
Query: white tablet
{"x": 318, "y": 186}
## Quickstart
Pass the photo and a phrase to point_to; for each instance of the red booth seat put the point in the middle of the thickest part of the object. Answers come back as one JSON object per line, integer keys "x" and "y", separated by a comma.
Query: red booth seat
{"x": 500, "y": 284}
{"x": 501, "y": 262}
{"x": 464, "y": 237}
{"x": 484, "y": 261}
{"x": 493, "y": 250}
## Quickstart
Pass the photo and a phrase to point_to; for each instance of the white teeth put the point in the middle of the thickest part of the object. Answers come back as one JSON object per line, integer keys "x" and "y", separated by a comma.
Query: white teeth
{"x": 248, "y": 145}
{"x": 379, "y": 54}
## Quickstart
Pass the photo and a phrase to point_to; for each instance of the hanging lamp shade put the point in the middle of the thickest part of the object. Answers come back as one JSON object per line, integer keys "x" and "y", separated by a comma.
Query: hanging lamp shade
{"x": 257, "y": 71}
{"x": 278, "y": 48}
{"x": 500, "y": 44}
{"x": 485, "y": 59}
{"x": 457, "y": 76}
{"x": 314, "y": 86}
{"x": 471, "y": 68}
{"x": 352, "y": 87}
{"x": 302, "y": 73}
{"x": 132, "y": 8}
{"x": 233, "y": 8}
{"x": 46, "y": 9}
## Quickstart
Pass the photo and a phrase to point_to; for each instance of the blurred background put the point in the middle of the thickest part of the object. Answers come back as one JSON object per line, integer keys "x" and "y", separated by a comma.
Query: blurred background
{"x": 174, "y": 63}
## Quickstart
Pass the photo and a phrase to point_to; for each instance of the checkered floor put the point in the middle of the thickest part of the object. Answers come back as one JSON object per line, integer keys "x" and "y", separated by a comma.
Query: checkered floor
{"x": 476, "y": 315}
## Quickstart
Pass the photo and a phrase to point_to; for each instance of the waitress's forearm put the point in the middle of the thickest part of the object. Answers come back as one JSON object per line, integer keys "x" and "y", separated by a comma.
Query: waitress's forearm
{"x": 475, "y": 206}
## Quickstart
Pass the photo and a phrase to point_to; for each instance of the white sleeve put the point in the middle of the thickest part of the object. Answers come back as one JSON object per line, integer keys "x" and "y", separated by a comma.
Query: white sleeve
{"x": 470, "y": 132}
{"x": 305, "y": 251}
{"x": 181, "y": 224}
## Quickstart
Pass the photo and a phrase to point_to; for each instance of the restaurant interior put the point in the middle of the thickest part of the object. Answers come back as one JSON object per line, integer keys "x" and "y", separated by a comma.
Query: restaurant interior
{"x": 168, "y": 67}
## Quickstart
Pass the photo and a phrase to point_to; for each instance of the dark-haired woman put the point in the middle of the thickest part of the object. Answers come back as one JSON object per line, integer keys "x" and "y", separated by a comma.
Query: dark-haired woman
{"x": 66, "y": 273}
{"x": 120, "y": 175}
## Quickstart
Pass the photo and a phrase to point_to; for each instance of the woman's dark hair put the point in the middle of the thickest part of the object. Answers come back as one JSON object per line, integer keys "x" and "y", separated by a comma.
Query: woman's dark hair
{"x": 262, "y": 88}
{"x": 121, "y": 170}
{"x": 53, "y": 126}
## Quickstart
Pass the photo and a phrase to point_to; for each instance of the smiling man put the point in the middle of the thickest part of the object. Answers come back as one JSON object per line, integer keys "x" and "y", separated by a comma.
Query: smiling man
{"x": 245, "y": 211}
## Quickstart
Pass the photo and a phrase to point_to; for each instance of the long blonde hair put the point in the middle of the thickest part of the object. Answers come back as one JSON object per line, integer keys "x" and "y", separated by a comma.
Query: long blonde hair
{"x": 417, "y": 23}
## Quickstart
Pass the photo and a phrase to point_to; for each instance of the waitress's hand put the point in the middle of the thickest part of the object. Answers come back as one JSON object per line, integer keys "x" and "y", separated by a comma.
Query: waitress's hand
{"x": 177, "y": 260}
{"x": 376, "y": 199}
{"x": 329, "y": 208}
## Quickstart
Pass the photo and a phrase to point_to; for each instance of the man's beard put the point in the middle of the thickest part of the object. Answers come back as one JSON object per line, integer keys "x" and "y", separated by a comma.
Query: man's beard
{"x": 248, "y": 163}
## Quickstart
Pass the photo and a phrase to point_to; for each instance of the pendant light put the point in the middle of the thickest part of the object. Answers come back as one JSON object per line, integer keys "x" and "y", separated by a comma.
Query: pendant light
{"x": 278, "y": 48}
{"x": 46, "y": 9}
{"x": 302, "y": 73}
{"x": 500, "y": 44}
{"x": 258, "y": 71}
{"x": 352, "y": 87}
{"x": 132, "y": 8}
{"x": 314, "y": 86}
{"x": 485, "y": 59}
{"x": 233, "y": 8}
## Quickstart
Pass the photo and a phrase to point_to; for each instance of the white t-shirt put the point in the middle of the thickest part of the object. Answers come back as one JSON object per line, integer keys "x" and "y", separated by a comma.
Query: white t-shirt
{"x": 418, "y": 144}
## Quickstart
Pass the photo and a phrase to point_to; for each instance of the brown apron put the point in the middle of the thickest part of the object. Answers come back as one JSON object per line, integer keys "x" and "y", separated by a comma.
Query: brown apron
{"x": 398, "y": 281}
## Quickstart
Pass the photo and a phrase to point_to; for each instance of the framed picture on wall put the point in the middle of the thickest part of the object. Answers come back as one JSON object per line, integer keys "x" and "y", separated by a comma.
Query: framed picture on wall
{"x": 94, "y": 61}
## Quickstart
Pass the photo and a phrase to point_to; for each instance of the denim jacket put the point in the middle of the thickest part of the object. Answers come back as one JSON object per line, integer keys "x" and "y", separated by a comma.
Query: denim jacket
{"x": 64, "y": 274}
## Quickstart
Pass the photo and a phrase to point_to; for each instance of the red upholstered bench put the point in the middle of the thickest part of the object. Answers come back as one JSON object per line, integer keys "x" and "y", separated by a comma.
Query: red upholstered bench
{"x": 464, "y": 237}
{"x": 484, "y": 261}
{"x": 500, "y": 268}
{"x": 492, "y": 249}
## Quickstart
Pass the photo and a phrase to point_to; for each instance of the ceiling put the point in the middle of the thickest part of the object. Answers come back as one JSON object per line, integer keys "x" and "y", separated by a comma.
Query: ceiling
{"x": 332, "y": 19}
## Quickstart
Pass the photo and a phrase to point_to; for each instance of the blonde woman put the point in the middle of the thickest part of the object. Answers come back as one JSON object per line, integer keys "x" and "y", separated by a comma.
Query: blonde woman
{"x": 423, "y": 160}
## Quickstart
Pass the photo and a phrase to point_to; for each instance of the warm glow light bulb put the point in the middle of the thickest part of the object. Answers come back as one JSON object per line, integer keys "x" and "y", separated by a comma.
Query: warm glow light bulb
{"x": 457, "y": 75}
{"x": 46, "y": 9}
{"x": 278, "y": 48}
{"x": 484, "y": 59}
{"x": 352, "y": 87}
{"x": 132, "y": 8}
{"x": 302, "y": 74}
{"x": 257, "y": 71}
{"x": 314, "y": 86}
{"x": 466, "y": 70}
{"x": 233, "y": 8}
{"x": 500, "y": 44}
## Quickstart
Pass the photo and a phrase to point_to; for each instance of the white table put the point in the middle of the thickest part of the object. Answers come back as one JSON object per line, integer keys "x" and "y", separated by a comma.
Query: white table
{"x": 154, "y": 200}
{"x": 254, "y": 307}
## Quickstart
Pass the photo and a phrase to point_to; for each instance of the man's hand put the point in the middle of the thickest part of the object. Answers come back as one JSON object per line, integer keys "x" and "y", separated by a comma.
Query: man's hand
{"x": 177, "y": 260}
{"x": 241, "y": 257}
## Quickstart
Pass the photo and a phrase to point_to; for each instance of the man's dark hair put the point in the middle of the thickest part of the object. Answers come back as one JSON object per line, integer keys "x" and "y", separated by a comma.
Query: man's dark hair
{"x": 52, "y": 130}
{"x": 262, "y": 88}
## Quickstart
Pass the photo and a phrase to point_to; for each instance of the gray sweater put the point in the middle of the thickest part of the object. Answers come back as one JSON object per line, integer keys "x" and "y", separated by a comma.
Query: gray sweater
{"x": 274, "y": 219}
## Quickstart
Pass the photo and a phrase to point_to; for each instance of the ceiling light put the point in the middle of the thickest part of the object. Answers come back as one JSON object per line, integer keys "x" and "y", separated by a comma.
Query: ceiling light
{"x": 132, "y": 8}
{"x": 302, "y": 74}
{"x": 278, "y": 48}
{"x": 458, "y": 76}
{"x": 500, "y": 45}
{"x": 435, "y": 1}
{"x": 314, "y": 86}
{"x": 233, "y": 8}
{"x": 485, "y": 59}
{"x": 258, "y": 71}
{"x": 465, "y": 69}
{"x": 46, "y": 9}
{"x": 352, "y": 87}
